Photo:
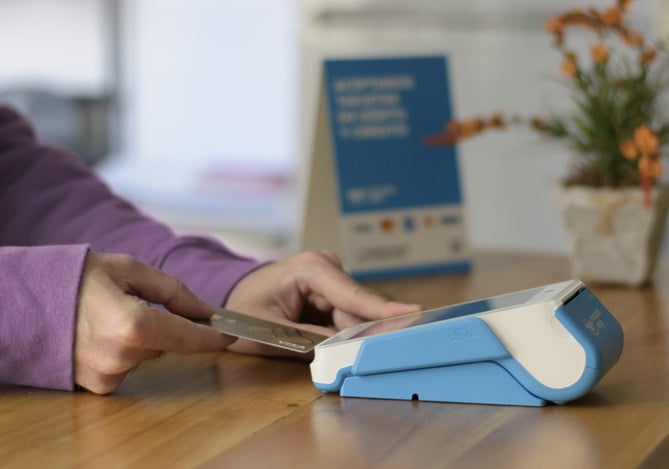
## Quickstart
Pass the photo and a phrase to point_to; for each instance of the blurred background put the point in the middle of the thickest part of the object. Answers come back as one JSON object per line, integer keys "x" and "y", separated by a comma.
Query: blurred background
{"x": 202, "y": 111}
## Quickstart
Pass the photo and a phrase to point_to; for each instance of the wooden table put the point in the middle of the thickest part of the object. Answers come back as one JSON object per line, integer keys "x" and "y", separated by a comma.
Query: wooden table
{"x": 226, "y": 410}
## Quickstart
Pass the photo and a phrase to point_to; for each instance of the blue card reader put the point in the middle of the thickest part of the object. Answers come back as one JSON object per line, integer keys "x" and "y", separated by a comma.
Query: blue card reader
{"x": 547, "y": 344}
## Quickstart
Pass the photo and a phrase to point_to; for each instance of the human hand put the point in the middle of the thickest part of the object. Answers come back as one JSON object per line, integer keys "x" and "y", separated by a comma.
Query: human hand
{"x": 311, "y": 288}
{"x": 117, "y": 329}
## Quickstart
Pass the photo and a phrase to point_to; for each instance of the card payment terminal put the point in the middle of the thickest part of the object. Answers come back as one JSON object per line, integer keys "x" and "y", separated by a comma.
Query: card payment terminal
{"x": 546, "y": 344}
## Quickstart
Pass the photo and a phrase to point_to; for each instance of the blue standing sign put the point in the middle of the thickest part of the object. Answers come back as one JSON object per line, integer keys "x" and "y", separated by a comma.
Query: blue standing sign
{"x": 399, "y": 201}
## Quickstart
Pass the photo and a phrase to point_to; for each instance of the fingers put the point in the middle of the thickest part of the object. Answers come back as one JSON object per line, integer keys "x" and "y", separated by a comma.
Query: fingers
{"x": 116, "y": 329}
{"x": 99, "y": 383}
{"x": 159, "y": 330}
{"x": 325, "y": 278}
{"x": 106, "y": 374}
{"x": 158, "y": 287}
{"x": 103, "y": 371}
{"x": 142, "y": 335}
{"x": 333, "y": 258}
{"x": 345, "y": 320}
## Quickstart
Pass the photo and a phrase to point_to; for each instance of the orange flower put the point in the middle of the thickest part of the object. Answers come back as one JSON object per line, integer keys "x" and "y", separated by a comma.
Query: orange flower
{"x": 497, "y": 121}
{"x": 600, "y": 53}
{"x": 569, "y": 67}
{"x": 471, "y": 127}
{"x": 559, "y": 38}
{"x": 647, "y": 57}
{"x": 656, "y": 170}
{"x": 538, "y": 123}
{"x": 628, "y": 149}
{"x": 555, "y": 25}
{"x": 632, "y": 38}
{"x": 650, "y": 167}
{"x": 577, "y": 17}
{"x": 453, "y": 127}
{"x": 613, "y": 17}
{"x": 624, "y": 5}
{"x": 646, "y": 140}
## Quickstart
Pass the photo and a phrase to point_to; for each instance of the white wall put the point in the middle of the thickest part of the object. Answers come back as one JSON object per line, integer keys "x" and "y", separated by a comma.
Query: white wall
{"x": 59, "y": 45}
{"x": 209, "y": 95}
{"x": 211, "y": 82}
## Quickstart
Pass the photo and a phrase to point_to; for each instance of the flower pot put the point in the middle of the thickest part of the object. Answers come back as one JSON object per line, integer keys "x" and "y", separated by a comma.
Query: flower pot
{"x": 613, "y": 237}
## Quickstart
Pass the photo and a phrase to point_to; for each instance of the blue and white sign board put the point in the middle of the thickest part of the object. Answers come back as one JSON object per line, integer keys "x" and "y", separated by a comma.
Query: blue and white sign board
{"x": 386, "y": 202}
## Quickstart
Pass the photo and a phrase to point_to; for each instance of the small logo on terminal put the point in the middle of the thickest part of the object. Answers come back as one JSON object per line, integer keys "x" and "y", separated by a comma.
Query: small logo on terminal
{"x": 462, "y": 333}
{"x": 594, "y": 323}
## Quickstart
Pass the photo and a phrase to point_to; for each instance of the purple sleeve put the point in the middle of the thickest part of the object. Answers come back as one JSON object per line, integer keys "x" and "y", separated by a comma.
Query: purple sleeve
{"x": 38, "y": 290}
{"x": 48, "y": 197}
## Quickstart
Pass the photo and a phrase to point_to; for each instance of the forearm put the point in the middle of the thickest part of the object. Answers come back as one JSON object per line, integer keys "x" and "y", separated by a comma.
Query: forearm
{"x": 49, "y": 197}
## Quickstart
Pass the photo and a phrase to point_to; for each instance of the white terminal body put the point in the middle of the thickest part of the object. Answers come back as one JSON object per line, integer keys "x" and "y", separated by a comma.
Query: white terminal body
{"x": 549, "y": 353}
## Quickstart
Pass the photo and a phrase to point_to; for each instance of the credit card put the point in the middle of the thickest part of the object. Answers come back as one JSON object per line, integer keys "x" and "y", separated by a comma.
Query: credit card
{"x": 264, "y": 331}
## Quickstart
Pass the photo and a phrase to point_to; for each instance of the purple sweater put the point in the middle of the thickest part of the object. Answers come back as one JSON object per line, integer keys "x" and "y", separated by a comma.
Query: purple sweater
{"x": 53, "y": 209}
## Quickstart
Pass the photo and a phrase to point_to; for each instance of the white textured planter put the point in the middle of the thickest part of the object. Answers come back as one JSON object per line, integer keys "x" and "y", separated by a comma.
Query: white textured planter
{"x": 613, "y": 238}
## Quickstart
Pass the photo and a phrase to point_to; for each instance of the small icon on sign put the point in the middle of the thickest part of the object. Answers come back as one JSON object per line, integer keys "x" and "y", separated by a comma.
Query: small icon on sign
{"x": 387, "y": 224}
{"x": 356, "y": 196}
{"x": 409, "y": 224}
{"x": 455, "y": 245}
{"x": 449, "y": 219}
{"x": 362, "y": 228}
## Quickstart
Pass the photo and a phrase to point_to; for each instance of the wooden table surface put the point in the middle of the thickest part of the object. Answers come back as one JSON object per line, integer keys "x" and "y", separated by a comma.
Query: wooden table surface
{"x": 227, "y": 410}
